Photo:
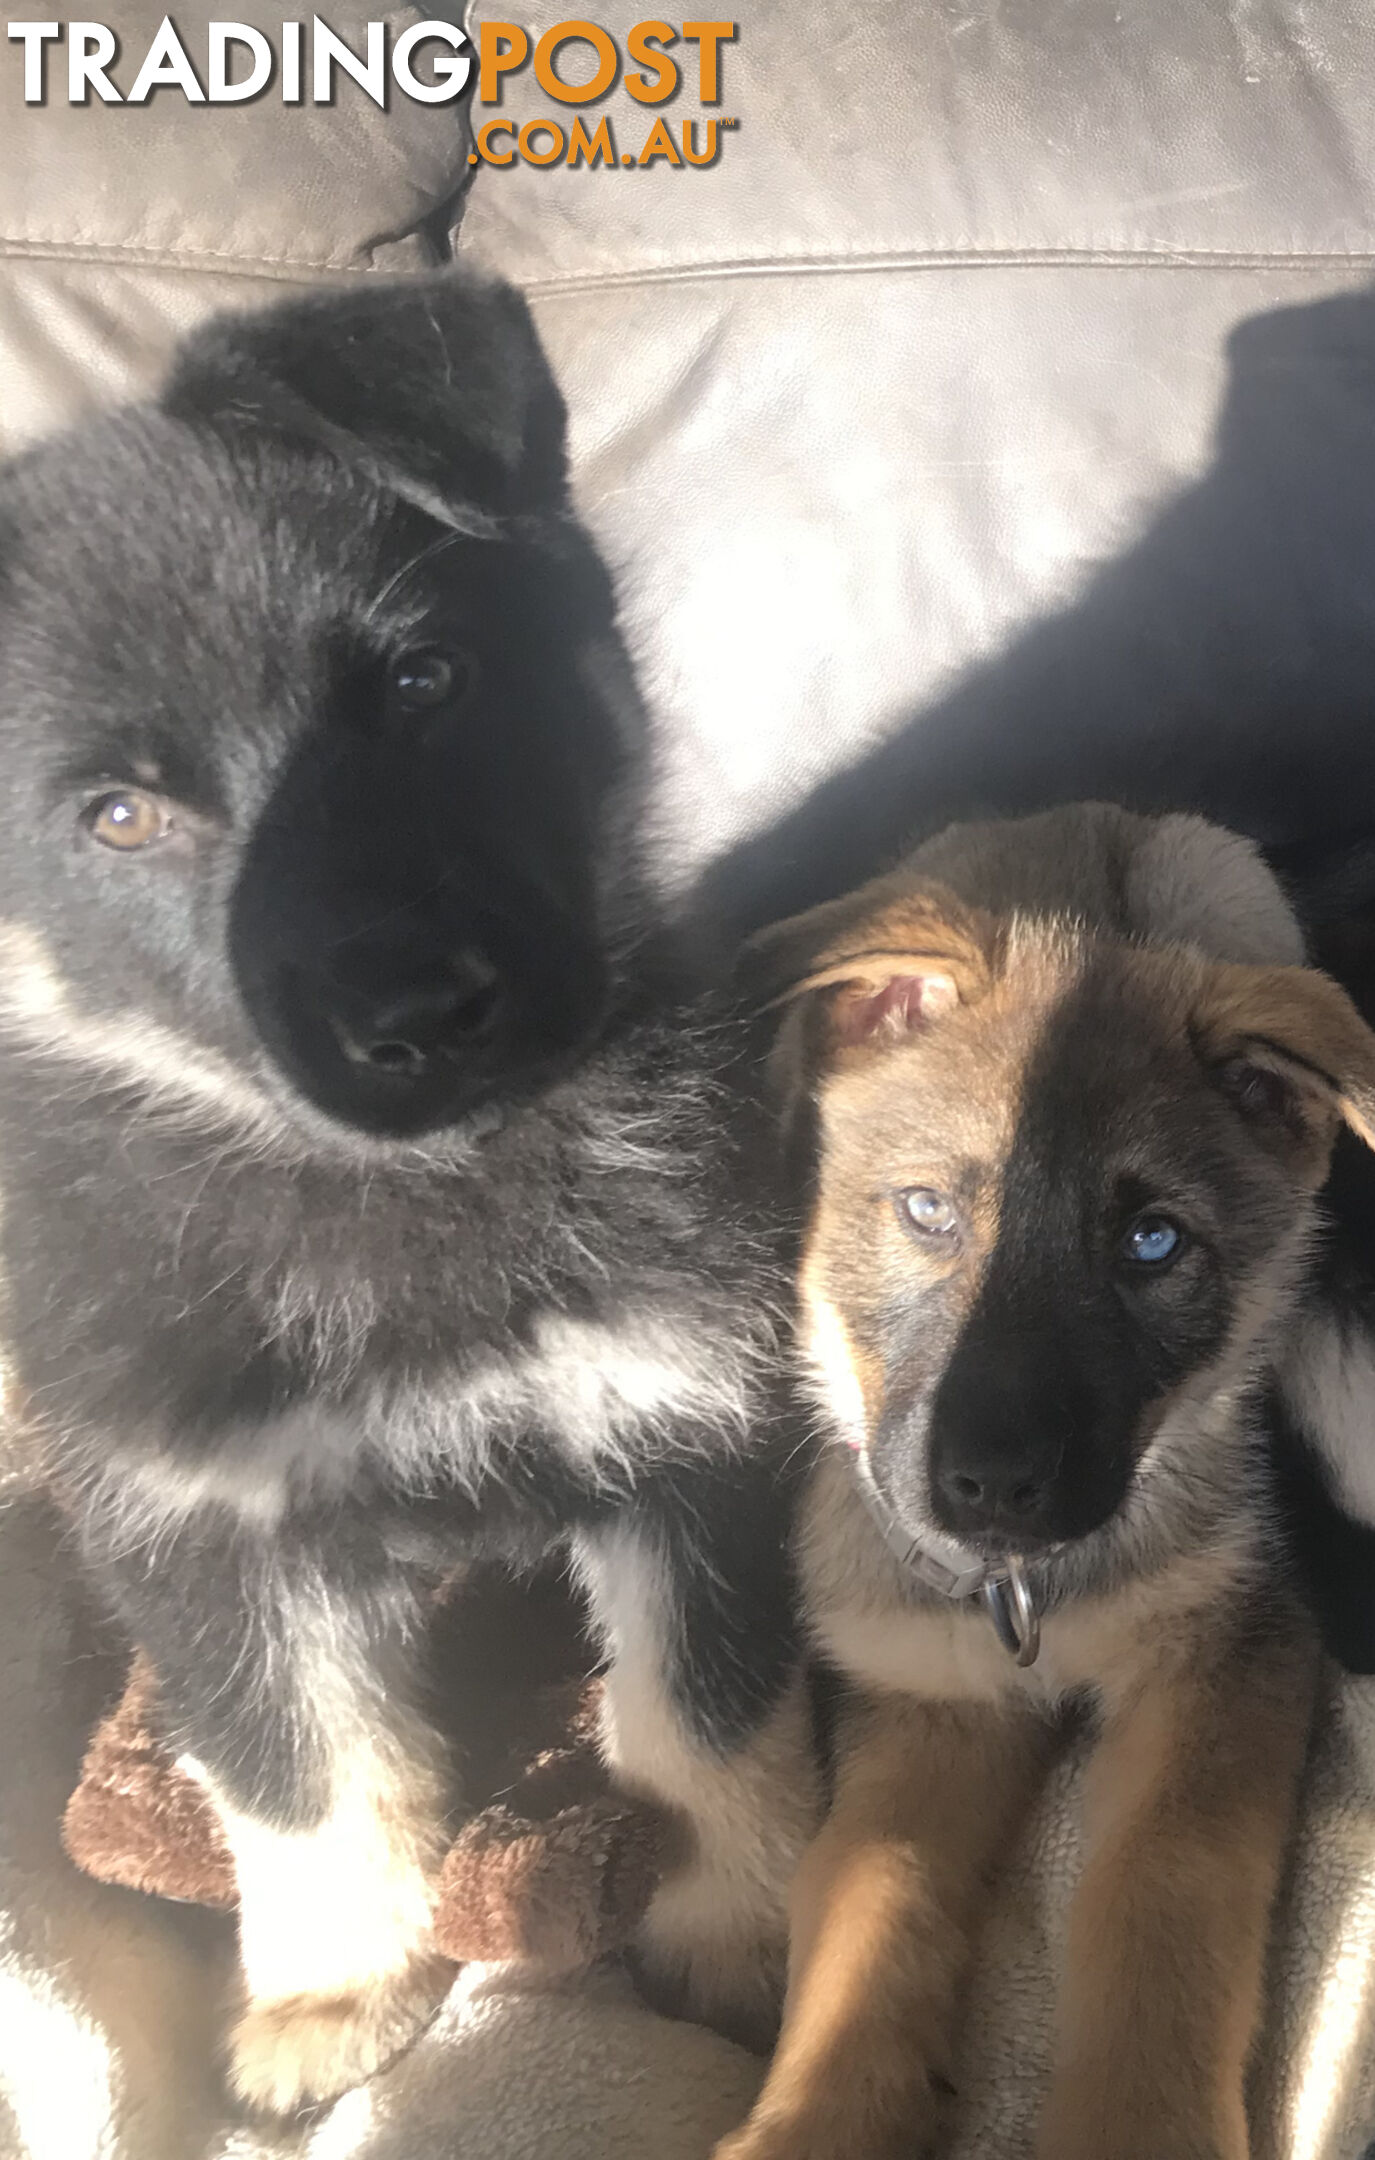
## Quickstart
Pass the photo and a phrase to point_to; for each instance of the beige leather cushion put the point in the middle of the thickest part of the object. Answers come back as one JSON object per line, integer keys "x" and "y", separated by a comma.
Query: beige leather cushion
{"x": 121, "y": 225}
{"x": 943, "y": 328}
{"x": 910, "y": 130}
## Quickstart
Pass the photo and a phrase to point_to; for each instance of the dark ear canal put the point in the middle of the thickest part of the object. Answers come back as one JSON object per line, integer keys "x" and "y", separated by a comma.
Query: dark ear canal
{"x": 438, "y": 389}
{"x": 1289, "y": 1048}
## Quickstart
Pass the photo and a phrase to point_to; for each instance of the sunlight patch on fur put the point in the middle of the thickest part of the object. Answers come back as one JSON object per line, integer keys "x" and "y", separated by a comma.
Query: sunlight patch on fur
{"x": 1338, "y": 2024}
{"x": 334, "y": 1921}
{"x": 834, "y": 1381}
{"x": 1330, "y": 1382}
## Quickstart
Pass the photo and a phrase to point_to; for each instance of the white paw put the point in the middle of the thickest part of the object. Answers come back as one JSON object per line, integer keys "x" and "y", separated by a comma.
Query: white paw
{"x": 300, "y": 2049}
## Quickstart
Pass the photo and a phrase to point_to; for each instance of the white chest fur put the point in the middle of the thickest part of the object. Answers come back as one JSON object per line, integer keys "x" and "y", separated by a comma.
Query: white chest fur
{"x": 611, "y": 1395}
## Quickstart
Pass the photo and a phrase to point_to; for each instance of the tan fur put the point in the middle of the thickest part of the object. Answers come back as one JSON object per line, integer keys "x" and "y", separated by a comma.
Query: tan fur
{"x": 881, "y": 1912}
{"x": 1169, "y": 1618}
{"x": 855, "y": 1250}
{"x": 937, "y": 1651}
{"x": 1310, "y": 1029}
{"x": 296, "y": 2049}
{"x": 1189, "y": 1804}
{"x": 848, "y": 1380}
{"x": 871, "y": 935}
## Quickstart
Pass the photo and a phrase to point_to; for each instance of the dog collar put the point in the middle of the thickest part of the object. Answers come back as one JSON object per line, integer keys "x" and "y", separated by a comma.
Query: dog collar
{"x": 955, "y": 1572}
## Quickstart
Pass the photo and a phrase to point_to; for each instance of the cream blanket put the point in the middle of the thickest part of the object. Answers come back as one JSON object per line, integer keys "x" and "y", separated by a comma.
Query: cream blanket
{"x": 108, "y": 2002}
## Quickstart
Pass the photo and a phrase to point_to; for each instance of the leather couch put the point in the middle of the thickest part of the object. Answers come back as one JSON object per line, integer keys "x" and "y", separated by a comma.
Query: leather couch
{"x": 993, "y": 419}
{"x": 978, "y": 402}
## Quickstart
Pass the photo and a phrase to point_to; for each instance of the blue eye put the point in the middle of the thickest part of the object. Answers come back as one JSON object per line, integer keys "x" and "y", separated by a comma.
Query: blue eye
{"x": 927, "y": 1210}
{"x": 1152, "y": 1240}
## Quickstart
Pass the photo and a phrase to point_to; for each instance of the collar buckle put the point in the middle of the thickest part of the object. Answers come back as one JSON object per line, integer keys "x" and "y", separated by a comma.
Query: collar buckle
{"x": 1012, "y": 1609}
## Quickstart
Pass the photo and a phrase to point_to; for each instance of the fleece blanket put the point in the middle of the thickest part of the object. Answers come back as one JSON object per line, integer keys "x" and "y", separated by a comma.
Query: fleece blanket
{"x": 110, "y": 2002}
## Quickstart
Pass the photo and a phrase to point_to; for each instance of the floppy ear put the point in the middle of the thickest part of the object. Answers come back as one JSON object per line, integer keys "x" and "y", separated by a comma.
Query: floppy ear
{"x": 437, "y": 389}
{"x": 1291, "y": 1050}
{"x": 893, "y": 955}
{"x": 878, "y": 965}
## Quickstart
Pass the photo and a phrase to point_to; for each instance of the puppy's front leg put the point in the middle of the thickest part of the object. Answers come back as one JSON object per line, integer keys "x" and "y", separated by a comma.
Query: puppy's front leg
{"x": 1189, "y": 1802}
{"x": 284, "y": 1680}
{"x": 706, "y": 1712}
{"x": 884, "y": 1906}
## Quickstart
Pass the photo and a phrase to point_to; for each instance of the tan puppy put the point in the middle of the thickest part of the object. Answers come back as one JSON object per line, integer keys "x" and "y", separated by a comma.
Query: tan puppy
{"x": 1070, "y": 1118}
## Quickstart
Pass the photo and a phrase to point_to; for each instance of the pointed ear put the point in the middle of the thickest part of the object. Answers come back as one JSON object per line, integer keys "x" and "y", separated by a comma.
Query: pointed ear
{"x": 1291, "y": 1051}
{"x": 878, "y": 965}
{"x": 437, "y": 389}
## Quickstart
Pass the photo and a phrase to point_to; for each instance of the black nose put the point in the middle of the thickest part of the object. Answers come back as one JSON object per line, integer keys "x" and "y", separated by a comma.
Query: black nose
{"x": 989, "y": 1479}
{"x": 1009, "y": 1497}
{"x": 405, "y": 1029}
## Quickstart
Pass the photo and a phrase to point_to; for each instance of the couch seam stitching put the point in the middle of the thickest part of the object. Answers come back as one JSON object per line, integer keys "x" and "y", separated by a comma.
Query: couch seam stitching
{"x": 961, "y": 258}
{"x": 223, "y": 260}
{"x": 233, "y": 263}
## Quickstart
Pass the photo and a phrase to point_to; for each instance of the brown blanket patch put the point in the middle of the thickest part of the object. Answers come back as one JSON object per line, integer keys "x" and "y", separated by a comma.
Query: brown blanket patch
{"x": 136, "y": 1819}
{"x": 552, "y": 1867}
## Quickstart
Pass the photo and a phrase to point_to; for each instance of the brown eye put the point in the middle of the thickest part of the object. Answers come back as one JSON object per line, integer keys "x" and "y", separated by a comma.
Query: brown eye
{"x": 127, "y": 819}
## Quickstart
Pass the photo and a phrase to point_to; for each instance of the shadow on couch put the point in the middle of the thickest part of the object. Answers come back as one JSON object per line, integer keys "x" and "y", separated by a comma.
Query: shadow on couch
{"x": 1225, "y": 664}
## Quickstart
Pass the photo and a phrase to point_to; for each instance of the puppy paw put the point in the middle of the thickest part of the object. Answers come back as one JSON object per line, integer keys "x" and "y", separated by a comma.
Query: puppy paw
{"x": 769, "y": 2141}
{"x": 301, "y": 2049}
{"x": 843, "y": 2121}
{"x": 813, "y": 2140}
{"x": 779, "y": 2139}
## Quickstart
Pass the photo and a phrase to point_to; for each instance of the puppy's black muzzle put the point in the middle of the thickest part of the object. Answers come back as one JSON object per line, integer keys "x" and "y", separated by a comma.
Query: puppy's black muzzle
{"x": 408, "y": 1023}
{"x": 1022, "y": 1454}
{"x": 405, "y": 970}
{"x": 1022, "y": 1449}
{"x": 1001, "y": 1486}
{"x": 432, "y": 1026}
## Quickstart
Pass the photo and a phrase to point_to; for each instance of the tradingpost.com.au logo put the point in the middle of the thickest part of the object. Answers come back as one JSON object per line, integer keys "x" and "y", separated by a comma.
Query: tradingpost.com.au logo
{"x": 432, "y": 62}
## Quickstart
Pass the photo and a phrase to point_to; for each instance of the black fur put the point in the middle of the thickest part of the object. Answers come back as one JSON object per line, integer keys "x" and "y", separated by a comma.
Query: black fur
{"x": 1334, "y": 1547}
{"x": 1334, "y": 1550}
{"x": 240, "y": 1244}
